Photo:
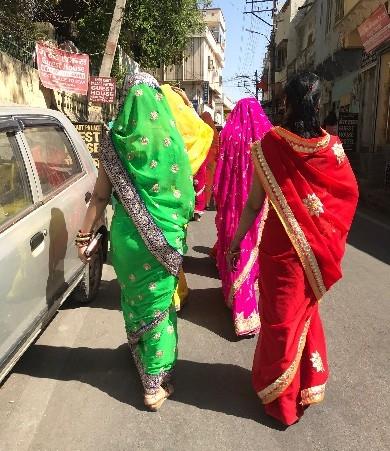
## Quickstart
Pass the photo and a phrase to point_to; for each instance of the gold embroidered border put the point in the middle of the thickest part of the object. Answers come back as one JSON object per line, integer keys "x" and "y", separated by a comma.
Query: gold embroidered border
{"x": 313, "y": 395}
{"x": 198, "y": 193}
{"x": 244, "y": 325}
{"x": 273, "y": 391}
{"x": 291, "y": 225}
{"x": 301, "y": 144}
{"x": 254, "y": 254}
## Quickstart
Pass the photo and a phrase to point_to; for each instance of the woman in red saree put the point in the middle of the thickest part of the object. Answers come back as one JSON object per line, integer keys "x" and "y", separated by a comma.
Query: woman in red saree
{"x": 203, "y": 180}
{"x": 304, "y": 175}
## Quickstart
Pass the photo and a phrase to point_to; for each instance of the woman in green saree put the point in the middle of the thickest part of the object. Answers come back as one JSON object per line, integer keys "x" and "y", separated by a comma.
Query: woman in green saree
{"x": 145, "y": 163}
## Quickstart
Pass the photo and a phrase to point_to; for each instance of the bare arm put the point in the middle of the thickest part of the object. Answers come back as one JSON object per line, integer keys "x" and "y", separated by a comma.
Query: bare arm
{"x": 100, "y": 198}
{"x": 251, "y": 210}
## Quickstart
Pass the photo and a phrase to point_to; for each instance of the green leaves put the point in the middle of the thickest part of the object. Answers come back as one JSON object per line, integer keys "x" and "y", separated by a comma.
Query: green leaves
{"x": 154, "y": 32}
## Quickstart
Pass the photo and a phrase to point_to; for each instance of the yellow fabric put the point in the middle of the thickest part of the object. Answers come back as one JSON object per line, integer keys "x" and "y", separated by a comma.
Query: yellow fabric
{"x": 197, "y": 135}
{"x": 181, "y": 292}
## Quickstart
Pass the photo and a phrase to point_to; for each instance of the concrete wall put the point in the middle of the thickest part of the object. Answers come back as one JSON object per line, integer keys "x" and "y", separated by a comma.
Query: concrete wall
{"x": 19, "y": 84}
{"x": 383, "y": 120}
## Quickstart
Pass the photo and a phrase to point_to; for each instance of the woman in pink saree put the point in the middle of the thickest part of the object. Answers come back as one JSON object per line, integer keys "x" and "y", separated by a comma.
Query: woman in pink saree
{"x": 247, "y": 123}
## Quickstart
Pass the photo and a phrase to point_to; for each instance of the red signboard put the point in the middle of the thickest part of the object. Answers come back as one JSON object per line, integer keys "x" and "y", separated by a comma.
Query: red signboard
{"x": 375, "y": 30}
{"x": 63, "y": 71}
{"x": 102, "y": 90}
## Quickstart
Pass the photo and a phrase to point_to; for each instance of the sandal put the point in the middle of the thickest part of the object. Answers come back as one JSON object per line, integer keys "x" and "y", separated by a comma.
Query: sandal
{"x": 155, "y": 401}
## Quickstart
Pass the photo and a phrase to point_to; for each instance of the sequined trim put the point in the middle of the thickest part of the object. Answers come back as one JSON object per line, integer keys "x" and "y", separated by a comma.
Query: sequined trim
{"x": 142, "y": 78}
{"x": 153, "y": 237}
{"x": 150, "y": 382}
{"x": 291, "y": 225}
{"x": 339, "y": 153}
{"x": 301, "y": 144}
{"x": 249, "y": 325}
{"x": 313, "y": 395}
{"x": 313, "y": 204}
{"x": 316, "y": 361}
{"x": 274, "y": 390}
{"x": 198, "y": 193}
{"x": 254, "y": 254}
{"x": 133, "y": 337}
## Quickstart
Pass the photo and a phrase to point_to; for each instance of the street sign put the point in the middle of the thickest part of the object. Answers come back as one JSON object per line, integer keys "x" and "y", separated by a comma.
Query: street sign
{"x": 91, "y": 132}
{"x": 195, "y": 104}
{"x": 102, "y": 90}
{"x": 61, "y": 70}
{"x": 375, "y": 30}
{"x": 347, "y": 130}
{"x": 205, "y": 89}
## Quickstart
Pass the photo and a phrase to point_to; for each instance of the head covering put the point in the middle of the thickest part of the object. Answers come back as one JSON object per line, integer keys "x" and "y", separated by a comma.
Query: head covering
{"x": 246, "y": 124}
{"x": 196, "y": 134}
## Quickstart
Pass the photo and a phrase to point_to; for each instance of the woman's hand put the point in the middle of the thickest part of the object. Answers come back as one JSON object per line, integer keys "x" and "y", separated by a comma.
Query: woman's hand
{"x": 232, "y": 257}
{"x": 82, "y": 256}
{"x": 183, "y": 95}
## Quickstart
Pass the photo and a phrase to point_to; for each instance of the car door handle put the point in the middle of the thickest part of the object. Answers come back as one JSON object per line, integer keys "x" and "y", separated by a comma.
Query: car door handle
{"x": 37, "y": 239}
{"x": 87, "y": 197}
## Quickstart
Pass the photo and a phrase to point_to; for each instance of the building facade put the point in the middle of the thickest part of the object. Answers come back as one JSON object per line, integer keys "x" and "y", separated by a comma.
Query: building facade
{"x": 200, "y": 73}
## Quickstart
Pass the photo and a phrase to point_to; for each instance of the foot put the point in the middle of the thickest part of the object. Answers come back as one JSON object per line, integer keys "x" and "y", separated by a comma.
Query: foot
{"x": 156, "y": 400}
{"x": 196, "y": 217}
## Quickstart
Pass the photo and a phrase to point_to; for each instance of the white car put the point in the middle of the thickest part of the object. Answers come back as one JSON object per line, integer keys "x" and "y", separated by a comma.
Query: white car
{"x": 46, "y": 179}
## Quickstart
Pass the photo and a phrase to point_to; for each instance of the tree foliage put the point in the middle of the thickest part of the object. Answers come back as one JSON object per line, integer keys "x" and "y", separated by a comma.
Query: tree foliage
{"x": 153, "y": 32}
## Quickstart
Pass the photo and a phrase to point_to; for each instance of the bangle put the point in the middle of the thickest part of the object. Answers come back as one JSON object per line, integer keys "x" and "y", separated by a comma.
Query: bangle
{"x": 83, "y": 239}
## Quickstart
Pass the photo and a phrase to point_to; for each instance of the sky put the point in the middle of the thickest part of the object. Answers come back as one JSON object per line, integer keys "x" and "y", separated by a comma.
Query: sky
{"x": 244, "y": 51}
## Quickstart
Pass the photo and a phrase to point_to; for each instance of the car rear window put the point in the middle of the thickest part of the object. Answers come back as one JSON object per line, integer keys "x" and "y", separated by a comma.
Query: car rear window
{"x": 53, "y": 156}
{"x": 15, "y": 192}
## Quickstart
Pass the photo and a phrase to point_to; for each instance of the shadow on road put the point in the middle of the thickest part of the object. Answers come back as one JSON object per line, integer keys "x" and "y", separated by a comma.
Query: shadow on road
{"x": 200, "y": 266}
{"x": 370, "y": 237}
{"x": 217, "y": 387}
{"x": 202, "y": 250}
{"x": 206, "y": 308}
{"x": 108, "y": 298}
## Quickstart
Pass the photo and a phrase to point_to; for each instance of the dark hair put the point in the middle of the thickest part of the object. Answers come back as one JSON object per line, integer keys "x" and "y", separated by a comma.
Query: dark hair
{"x": 302, "y": 101}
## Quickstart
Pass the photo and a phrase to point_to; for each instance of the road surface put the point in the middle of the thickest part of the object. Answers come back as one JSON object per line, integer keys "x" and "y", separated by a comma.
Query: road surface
{"x": 77, "y": 389}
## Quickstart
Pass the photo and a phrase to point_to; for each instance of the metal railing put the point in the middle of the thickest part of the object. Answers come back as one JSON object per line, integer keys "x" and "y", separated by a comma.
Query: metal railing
{"x": 24, "y": 52}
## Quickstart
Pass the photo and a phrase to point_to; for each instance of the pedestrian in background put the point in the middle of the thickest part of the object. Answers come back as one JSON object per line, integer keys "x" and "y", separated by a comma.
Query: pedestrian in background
{"x": 233, "y": 179}
{"x": 197, "y": 138}
{"x": 304, "y": 175}
{"x": 145, "y": 162}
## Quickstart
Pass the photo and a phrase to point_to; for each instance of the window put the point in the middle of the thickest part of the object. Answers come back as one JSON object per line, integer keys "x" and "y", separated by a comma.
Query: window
{"x": 339, "y": 14}
{"x": 53, "y": 156}
{"x": 15, "y": 193}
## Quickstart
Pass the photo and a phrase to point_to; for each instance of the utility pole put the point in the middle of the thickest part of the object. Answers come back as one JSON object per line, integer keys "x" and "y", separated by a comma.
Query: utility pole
{"x": 257, "y": 84}
{"x": 273, "y": 58}
{"x": 95, "y": 113}
{"x": 112, "y": 40}
{"x": 256, "y": 11}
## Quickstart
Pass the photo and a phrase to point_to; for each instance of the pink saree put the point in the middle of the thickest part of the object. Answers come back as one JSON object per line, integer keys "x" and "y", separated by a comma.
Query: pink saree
{"x": 247, "y": 123}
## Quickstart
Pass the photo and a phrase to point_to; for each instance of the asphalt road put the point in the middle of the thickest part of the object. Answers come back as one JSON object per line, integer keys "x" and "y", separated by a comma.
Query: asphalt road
{"x": 77, "y": 389}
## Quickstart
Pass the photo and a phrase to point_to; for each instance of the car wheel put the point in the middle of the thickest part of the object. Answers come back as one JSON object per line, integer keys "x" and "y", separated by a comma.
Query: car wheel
{"x": 88, "y": 287}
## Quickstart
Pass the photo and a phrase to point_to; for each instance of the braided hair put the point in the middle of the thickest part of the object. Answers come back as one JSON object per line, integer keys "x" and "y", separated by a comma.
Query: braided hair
{"x": 302, "y": 101}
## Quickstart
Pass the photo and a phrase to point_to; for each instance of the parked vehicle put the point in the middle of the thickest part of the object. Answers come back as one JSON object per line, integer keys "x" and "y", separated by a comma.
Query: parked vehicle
{"x": 46, "y": 180}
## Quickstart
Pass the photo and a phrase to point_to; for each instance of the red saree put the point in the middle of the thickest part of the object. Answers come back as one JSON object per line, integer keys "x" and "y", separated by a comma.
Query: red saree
{"x": 313, "y": 195}
{"x": 203, "y": 180}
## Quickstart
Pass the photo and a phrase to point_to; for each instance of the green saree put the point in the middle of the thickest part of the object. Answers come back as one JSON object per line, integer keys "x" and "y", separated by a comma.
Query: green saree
{"x": 149, "y": 169}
